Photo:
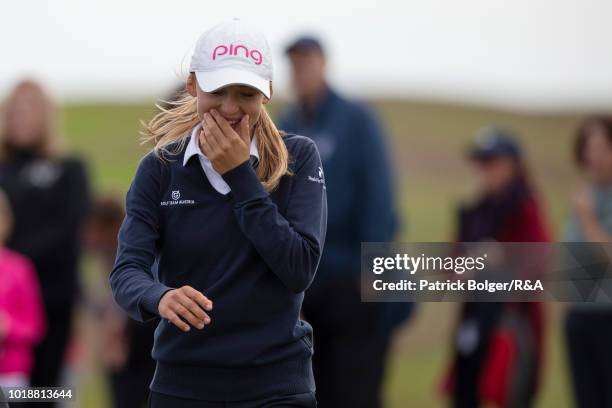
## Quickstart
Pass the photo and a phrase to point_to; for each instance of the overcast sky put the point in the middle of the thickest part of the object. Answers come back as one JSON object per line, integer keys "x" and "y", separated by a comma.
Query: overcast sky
{"x": 544, "y": 54}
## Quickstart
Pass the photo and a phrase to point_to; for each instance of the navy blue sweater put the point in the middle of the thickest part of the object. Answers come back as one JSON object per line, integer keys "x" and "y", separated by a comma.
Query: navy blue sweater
{"x": 252, "y": 253}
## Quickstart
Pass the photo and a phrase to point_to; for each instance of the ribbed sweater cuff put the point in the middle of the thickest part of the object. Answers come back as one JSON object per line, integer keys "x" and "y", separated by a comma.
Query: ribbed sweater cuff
{"x": 244, "y": 182}
{"x": 150, "y": 300}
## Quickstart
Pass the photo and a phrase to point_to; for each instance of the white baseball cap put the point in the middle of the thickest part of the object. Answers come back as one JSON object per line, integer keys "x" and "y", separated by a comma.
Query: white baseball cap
{"x": 232, "y": 53}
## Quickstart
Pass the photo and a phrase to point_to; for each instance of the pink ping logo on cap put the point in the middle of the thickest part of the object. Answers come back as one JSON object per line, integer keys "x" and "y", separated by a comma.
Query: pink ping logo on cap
{"x": 232, "y": 49}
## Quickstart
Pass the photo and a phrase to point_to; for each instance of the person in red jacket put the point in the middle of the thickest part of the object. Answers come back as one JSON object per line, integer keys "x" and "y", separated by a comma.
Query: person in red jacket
{"x": 506, "y": 210}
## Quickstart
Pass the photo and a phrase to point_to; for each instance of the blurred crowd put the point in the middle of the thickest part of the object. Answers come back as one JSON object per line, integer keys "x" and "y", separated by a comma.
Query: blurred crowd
{"x": 49, "y": 216}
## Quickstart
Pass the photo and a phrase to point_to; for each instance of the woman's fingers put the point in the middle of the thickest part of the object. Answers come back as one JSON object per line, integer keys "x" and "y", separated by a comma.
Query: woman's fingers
{"x": 222, "y": 141}
{"x": 228, "y": 131}
{"x": 204, "y": 144}
{"x": 176, "y": 320}
{"x": 195, "y": 310}
{"x": 244, "y": 130}
{"x": 209, "y": 142}
{"x": 185, "y": 305}
{"x": 198, "y": 297}
{"x": 223, "y": 124}
{"x": 227, "y": 148}
{"x": 188, "y": 315}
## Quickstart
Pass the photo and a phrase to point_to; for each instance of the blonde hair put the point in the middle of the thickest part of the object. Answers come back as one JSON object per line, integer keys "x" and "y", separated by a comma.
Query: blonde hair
{"x": 175, "y": 122}
{"x": 49, "y": 143}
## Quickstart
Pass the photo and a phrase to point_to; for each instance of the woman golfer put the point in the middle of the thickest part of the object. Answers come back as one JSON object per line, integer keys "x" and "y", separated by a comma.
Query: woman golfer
{"x": 233, "y": 214}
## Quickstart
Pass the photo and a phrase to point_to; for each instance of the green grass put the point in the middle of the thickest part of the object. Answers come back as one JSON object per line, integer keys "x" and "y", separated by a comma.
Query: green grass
{"x": 428, "y": 144}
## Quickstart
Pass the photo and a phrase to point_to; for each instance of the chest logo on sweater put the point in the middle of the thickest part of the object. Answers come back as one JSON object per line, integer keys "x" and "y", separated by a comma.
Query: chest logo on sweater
{"x": 176, "y": 199}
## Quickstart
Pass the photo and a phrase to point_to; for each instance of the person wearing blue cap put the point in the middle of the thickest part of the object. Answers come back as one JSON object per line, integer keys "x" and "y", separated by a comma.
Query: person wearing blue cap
{"x": 496, "y": 362}
{"x": 352, "y": 338}
{"x": 495, "y": 143}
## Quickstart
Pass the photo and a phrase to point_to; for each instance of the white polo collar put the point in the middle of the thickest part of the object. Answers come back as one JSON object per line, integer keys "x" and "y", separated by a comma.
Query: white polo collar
{"x": 215, "y": 179}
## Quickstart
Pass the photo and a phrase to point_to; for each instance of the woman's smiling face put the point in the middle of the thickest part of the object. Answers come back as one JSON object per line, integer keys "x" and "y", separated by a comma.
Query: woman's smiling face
{"x": 232, "y": 102}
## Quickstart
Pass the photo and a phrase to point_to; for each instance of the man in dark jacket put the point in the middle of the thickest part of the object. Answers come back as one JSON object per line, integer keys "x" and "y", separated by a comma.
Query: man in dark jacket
{"x": 351, "y": 337}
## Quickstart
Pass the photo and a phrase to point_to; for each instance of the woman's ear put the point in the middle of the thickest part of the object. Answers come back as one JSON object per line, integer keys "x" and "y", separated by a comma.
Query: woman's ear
{"x": 190, "y": 85}
{"x": 266, "y": 100}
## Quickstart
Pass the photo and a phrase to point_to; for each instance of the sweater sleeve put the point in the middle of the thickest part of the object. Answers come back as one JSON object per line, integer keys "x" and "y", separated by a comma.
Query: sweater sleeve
{"x": 132, "y": 281}
{"x": 291, "y": 246}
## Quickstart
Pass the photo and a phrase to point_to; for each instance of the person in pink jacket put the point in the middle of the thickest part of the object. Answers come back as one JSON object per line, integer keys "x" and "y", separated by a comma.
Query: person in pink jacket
{"x": 22, "y": 320}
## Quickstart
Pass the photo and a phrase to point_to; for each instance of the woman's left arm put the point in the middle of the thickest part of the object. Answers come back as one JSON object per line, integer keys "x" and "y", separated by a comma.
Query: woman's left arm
{"x": 292, "y": 245}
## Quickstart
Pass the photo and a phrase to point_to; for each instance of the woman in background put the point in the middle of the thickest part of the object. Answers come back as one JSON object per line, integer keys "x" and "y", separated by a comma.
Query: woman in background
{"x": 589, "y": 325}
{"x": 49, "y": 196}
{"x": 21, "y": 313}
{"x": 506, "y": 211}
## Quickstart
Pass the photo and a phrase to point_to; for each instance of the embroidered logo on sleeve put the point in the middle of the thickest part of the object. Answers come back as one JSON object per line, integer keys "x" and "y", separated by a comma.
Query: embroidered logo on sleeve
{"x": 319, "y": 178}
{"x": 176, "y": 199}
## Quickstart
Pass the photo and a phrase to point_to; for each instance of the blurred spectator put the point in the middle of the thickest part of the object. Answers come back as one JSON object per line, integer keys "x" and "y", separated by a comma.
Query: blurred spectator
{"x": 126, "y": 344}
{"x": 589, "y": 325}
{"x": 498, "y": 346}
{"x": 22, "y": 320}
{"x": 49, "y": 196}
{"x": 351, "y": 338}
